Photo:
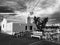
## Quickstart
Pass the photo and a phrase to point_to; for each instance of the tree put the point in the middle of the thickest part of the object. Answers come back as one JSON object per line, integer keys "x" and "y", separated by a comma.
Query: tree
{"x": 40, "y": 24}
{"x": 44, "y": 21}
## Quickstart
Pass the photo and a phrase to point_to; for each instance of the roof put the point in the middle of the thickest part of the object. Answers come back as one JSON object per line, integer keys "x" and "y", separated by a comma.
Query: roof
{"x": 14, "y": 19}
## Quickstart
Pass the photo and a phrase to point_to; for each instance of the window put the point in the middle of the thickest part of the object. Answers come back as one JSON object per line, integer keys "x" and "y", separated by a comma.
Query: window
{"x": 25, "y": 27}
{"x": 30, "y": 27}
{"x": 3, "y": 25}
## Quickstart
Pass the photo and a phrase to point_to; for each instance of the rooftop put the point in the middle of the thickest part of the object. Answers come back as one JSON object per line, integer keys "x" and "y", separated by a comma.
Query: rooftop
{"x": 14, "y": 19}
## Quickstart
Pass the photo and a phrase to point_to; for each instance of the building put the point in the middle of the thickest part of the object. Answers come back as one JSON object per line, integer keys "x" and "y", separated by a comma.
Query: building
{"x": 52, "y": 32}
{"x": 6, "y": 11}
{"x": 11, "y": 25}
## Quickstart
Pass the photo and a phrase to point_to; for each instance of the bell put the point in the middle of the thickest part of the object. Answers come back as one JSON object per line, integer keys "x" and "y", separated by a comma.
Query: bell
{"x": 31, "y": 13}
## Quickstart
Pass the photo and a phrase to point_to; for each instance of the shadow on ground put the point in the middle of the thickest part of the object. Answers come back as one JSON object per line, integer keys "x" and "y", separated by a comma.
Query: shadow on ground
{"x": 10, "y": 40}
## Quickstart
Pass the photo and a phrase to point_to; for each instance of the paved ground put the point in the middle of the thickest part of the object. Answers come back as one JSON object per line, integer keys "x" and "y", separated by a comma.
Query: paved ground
{"x": 8, "y": 40}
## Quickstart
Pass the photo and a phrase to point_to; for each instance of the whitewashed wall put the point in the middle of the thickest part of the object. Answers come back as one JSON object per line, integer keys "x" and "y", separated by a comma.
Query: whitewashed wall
{"x": 6, "y": 27}
{"x": 3, "y": 25}
{"x": 9, "y": 28}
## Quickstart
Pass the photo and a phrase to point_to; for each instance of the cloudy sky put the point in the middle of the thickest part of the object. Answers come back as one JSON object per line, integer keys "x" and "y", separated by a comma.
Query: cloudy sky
{"x": 42, "y": 8}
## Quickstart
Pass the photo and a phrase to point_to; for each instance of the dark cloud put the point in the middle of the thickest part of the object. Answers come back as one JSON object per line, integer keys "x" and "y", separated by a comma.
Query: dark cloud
{"x": 47, "y": 3}
{"x": 21, "y": 4}
{"x": 15, "y": 4}
{"x": 56, "y": 16}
